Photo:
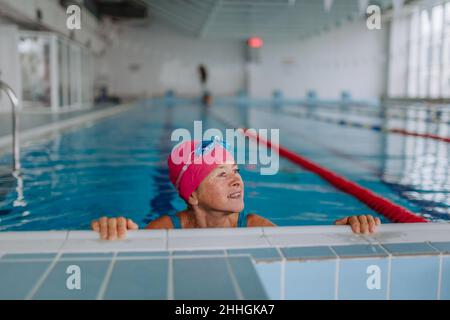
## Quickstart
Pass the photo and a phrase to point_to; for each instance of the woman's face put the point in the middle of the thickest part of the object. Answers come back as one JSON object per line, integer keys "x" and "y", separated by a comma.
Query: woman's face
{"x": 222, "y": 190}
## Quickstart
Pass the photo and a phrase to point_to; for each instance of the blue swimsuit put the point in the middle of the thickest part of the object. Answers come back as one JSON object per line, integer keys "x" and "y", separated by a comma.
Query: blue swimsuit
{"x": 242, "y": 220}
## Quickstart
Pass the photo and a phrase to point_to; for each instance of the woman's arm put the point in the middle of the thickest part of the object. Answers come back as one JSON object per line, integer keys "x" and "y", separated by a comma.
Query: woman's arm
{"x": 365, "y": 224}
{"x": 113, "y": 228}
{"x": 163, "y": 222}
{"x": 360, "y": 224}
{"x": 254, "y": 220}
{"x": 116, "y": 228}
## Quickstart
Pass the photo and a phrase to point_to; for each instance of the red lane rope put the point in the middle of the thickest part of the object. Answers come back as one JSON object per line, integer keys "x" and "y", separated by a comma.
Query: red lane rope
{"x": 416, "y": 134}
{"x": 383, "y": 206}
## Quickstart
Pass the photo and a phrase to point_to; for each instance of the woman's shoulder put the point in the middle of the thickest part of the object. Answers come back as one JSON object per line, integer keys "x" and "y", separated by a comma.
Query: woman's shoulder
{"x": 163, "y": 222}
{"x": 254, "y": 220}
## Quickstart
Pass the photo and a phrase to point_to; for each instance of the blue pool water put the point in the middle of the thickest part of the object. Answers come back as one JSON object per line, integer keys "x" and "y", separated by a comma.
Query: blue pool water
{"x": 117, "y": 166}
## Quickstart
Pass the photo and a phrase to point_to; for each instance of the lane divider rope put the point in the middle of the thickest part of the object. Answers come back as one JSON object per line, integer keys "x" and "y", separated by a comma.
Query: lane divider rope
{"x": 373, "y": 127}
{"x": 379, "y": 204}
{"x": 381, "y": 114}
{"x": 423, "y": 135}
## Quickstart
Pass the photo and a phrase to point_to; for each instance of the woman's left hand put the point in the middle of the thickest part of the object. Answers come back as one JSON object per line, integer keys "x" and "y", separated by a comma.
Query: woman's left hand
{"x": 360, "y": 224}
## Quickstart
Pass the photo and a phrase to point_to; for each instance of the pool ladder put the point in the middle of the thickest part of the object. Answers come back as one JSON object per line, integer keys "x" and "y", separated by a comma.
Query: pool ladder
{"x": 15, "y": 124}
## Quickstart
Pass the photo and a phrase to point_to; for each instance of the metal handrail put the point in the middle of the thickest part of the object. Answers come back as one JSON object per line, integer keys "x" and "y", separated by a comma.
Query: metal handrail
{"x": 15, "y": 124}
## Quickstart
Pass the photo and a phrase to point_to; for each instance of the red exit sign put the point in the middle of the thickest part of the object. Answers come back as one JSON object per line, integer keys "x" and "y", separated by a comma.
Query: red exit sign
{"x": 255, "y": 42}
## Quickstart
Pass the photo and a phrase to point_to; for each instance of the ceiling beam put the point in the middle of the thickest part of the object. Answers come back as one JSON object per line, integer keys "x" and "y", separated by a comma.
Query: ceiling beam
{"x": 211, "y": 15}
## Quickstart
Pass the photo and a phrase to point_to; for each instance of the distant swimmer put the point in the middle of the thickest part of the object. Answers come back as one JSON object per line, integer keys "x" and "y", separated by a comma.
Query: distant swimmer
{"x": 205, "y": 95}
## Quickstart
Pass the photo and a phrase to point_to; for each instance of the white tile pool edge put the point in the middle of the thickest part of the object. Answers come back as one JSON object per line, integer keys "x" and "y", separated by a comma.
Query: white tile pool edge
{"x": 213, "y": 239}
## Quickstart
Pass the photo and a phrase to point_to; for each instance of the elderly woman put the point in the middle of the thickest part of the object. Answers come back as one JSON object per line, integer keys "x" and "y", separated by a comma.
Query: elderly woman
{"x": 208, "y": 180}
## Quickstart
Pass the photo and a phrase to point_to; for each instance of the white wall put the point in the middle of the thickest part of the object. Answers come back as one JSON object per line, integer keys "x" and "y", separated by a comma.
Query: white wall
{"x": 169, "y": 59}
{"x": 348, "y": 58}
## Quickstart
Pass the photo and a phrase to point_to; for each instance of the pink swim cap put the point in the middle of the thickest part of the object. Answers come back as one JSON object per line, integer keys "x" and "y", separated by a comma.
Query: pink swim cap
{"x": 191, "y": 161}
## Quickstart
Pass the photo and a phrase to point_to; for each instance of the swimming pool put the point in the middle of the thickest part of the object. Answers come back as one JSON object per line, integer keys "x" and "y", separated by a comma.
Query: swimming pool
{"x": 117, "y": 166}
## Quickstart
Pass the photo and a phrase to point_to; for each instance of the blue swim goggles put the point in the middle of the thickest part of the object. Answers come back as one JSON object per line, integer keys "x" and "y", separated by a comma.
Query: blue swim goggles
{"x": 203, "y": 148}
{"x": 206, "y": 146}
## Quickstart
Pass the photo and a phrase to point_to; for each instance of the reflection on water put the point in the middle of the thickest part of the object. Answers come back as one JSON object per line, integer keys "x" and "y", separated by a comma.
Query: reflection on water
{"x": 419, "y": 170}
{"x": 11, "y": 180}
{"x": 20, "y": 201}
{"x": 7, "y": 183}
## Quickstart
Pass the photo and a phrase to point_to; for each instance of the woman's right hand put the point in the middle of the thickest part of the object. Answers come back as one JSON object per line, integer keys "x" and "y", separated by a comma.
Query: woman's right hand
{"x": 113, "y": 228}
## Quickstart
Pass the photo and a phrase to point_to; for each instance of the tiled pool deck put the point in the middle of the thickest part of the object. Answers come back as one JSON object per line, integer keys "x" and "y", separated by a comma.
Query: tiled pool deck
{"x": 401, "y": 261}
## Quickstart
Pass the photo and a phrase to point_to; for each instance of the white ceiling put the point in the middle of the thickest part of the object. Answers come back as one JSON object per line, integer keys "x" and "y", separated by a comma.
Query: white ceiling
{"x": 240, "y": 19}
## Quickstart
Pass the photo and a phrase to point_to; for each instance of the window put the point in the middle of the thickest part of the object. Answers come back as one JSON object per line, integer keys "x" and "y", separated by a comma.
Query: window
{"x": 429, "y": 53}
{"x": 56, "y": 72}
{"x": 34, "y": 55}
